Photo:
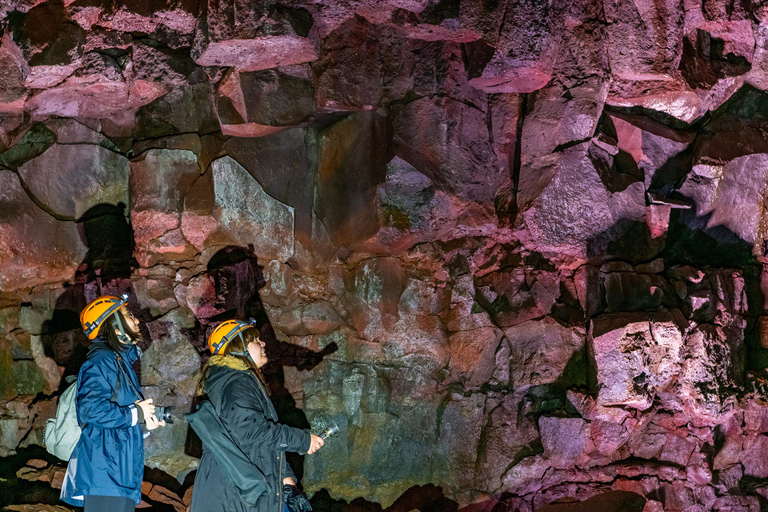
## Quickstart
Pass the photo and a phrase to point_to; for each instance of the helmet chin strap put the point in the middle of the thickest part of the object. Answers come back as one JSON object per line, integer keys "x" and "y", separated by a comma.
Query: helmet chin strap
{"x": 124, "y": 338}
{"x": 245, "y": 352}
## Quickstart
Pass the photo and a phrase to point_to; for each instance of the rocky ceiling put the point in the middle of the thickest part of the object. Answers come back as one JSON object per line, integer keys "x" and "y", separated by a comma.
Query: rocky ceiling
{"x": 514, "y": 249}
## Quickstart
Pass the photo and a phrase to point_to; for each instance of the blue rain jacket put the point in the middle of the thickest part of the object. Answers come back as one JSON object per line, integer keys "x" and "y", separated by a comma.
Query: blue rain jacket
{"x": 109, "y": 457}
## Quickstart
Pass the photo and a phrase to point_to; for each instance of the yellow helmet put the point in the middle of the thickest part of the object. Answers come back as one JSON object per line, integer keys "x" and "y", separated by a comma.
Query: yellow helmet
{"x": 226, "y": 332}
{"x": 99, "y": 310}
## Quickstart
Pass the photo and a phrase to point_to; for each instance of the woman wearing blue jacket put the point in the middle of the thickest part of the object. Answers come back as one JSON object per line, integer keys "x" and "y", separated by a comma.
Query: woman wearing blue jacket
{"x": 107, "y": 466}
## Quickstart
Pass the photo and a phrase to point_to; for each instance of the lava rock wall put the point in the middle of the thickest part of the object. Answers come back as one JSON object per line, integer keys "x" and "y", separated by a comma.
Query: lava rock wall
{"x": 515, "y": 249}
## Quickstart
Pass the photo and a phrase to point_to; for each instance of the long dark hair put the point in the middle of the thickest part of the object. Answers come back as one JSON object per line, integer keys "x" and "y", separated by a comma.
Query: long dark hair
{"x": 235, "y": 345}
{"x": 108, "y": 334}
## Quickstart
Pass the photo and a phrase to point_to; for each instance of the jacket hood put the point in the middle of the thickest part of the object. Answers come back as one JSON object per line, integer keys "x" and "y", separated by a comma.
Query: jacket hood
{"x": 232, "y": 362}
{"x": 220, "y": 370}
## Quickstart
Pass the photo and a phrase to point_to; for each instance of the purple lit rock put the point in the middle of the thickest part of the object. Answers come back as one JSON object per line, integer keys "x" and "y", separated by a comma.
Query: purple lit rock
{"x": 543, "y": 352}
{"x": 564, "y": 439}
{"x": 459, "y": 160}
{"x": 635, "y": 354}
{"x": 555, "y": 191}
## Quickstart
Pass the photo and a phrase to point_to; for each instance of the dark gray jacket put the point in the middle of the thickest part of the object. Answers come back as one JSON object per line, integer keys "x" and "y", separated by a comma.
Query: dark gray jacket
{"x": 247, "y": 412}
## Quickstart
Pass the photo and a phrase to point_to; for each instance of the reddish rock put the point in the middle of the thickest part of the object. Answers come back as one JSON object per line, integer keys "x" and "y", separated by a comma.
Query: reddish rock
{"x": 717, "y": 49}
{"x": 114, "y": 101}
{"x": 473, "y": 360}
{"x": 258, "y": 53}
{"x": 543, "y": 352}
{"x": 162, "y": 495}
{"x": 280, "y": 97}
{"x": 677, "y": 449}
{"x": 52, "y": 249}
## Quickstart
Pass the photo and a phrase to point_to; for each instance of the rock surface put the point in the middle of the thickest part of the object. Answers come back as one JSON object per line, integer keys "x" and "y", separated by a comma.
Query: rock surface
{"x": 516, "y": 250}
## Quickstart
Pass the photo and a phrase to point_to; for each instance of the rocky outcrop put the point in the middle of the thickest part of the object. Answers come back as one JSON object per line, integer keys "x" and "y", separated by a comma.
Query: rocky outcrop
{"x": 512, "y": 249}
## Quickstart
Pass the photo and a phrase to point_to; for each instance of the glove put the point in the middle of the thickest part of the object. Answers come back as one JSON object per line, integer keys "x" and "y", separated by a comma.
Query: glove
{"x": 296, "y": 499}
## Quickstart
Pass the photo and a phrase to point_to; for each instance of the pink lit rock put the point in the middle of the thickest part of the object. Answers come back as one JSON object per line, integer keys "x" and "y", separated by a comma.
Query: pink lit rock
{"x": 508, "y": 431}
{"x": 513, "y": 296}
{"x": 560, "y": 116}
{"x": 677, "y": 449}
{"x": 741, "y": 183}
{"x": 258, "y": 53}
{"x": 556, "y": 189}
{"x": 564, "y": 439}
{"x": 714, "y": 361}
{"x": 635, "y": 354}
{"x": 753, "y": 457}
{"x": 644, "y": 37}
{"x": 97, "y": 100}
{"x": 543, "y": 352}
{"x": 279, "y": 97}
{"x": 52, "y": 249}
{"x": 447, "y": 158}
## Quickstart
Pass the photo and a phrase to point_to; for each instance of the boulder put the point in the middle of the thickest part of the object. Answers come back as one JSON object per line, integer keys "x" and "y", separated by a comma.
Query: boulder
{"x": 68, "y": 180}
{"x": 557, "y": 189}
{"x": 545, "y": 352}
{"x": 635, "y": 355}
{"x": 226, "y": 206}
{"x": 52, "y": 249}
{"x": 170, "y": 371}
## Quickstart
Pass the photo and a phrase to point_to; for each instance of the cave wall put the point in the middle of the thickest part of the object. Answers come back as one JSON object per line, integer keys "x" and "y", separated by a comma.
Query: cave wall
{"x": 515, "y": 249}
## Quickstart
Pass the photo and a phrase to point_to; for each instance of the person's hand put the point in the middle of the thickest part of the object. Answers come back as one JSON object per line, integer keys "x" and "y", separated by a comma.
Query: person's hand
{"x": 146, "y": 409}
{"x": 151, "y": 423}
{"x": 315, "y": 443}
{"x": 295, "y": 499}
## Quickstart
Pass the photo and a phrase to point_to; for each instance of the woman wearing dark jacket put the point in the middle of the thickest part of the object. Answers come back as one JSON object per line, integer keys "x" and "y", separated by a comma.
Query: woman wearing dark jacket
{"x": 233, "y": 384}
{"x": 107, "y": 466}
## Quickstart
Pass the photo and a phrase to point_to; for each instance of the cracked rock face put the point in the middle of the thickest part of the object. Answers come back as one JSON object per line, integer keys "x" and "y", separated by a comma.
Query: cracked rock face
{"x": 512, "y": 249}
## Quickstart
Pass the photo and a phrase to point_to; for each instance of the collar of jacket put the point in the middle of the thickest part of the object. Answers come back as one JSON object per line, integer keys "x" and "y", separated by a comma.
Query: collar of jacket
{"x": 129, "y": 355}
{"x": 229, "y": 362}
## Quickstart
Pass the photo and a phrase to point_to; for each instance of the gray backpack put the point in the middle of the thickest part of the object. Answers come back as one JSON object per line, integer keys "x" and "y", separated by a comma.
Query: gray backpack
{"x": 63, "y": 432}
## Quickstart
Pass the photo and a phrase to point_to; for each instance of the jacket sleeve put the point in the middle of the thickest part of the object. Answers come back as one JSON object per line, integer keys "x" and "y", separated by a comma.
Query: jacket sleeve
{"x": 243, "y": 414}
{"x": 94, "y": 397}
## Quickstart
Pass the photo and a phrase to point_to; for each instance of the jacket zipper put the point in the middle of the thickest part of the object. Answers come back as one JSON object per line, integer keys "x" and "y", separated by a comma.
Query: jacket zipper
{"x": 279, "y": 459}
